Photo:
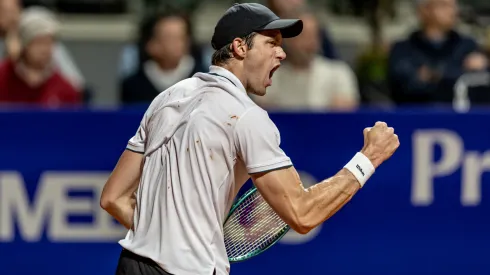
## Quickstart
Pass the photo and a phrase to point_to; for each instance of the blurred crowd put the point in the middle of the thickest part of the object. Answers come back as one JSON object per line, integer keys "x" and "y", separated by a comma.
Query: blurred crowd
{"x": 423, "y": 68}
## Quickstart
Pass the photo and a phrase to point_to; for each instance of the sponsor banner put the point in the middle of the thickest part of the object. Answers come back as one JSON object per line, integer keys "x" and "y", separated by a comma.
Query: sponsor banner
{"x": 425, "y": 211}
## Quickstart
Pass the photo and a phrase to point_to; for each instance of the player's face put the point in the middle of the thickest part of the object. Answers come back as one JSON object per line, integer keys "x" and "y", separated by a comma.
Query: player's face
{"x": 39, "y": 51}
{"x": 262, "y": 60}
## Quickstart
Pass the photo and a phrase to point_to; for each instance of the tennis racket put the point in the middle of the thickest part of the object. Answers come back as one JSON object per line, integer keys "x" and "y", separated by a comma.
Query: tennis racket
{"x": 251, "y": 227}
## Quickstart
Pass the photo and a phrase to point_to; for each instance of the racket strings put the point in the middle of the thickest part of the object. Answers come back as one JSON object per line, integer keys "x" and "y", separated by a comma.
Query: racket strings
{"x": 252, "y": 227}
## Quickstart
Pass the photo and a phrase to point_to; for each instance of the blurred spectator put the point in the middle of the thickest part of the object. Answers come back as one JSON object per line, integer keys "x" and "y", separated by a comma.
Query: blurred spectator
{"x": 10, "y": 11}
{"x": 130, "y": 56}
{"x": 9, "y": 16}
{"x": 32, "y": 78}
{"x": 284, "y": 7}
{"x": 165, "y": 59}
{"x": 425, "y": 67}
{"x": 128, "y": 61}
{"x": 307, "y": 80}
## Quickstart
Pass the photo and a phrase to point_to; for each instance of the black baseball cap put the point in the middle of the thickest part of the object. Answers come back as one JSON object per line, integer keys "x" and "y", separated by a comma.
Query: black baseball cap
{"x": 242, "y": 19}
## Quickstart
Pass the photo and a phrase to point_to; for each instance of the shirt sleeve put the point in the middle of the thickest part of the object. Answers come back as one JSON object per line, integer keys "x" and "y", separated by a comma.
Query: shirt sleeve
{"x": 258, "y": 142}
{"x": 137, "y": 143}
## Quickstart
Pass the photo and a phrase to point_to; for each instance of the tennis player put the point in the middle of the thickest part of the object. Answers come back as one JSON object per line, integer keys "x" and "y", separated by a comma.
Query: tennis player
{"x": 203, "y": 138}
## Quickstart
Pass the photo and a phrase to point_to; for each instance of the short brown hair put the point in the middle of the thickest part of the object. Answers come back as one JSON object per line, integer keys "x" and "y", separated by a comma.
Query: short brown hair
{"x": 223, "y": 55}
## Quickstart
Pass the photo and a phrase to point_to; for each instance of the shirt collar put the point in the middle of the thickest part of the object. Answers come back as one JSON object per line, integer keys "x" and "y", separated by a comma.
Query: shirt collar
{"x": 227, "y": 75}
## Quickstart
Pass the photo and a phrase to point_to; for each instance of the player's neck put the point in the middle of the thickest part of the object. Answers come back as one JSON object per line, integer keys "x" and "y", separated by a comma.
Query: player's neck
{"x": 238, "y": 71}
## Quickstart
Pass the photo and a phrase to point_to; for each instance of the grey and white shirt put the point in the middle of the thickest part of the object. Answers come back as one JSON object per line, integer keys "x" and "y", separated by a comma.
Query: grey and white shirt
{"x": 201, "y": 139}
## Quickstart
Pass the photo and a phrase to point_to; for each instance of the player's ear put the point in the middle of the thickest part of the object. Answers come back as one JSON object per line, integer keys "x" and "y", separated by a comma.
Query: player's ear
{"x": 239, "y": 48}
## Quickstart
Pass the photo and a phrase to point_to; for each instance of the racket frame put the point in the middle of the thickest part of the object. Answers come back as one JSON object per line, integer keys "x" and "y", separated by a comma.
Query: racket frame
{"x": 260, "y": 251}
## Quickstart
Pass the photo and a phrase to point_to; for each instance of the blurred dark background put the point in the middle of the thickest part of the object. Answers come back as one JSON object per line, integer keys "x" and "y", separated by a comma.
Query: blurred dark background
{"x": 363, "y": 43}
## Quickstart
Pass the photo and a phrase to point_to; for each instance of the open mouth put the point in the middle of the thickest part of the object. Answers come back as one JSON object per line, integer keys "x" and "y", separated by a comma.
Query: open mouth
{"x": 274, "y": 70}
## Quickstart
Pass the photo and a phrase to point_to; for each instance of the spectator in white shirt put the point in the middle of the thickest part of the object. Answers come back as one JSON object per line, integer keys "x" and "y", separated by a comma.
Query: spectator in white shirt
{"x": 308, "y": 81}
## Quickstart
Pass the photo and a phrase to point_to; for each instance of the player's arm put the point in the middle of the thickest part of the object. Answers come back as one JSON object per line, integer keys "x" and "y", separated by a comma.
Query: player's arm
{"x": 276, "y": 179}
{"x": 304, "y": 209}
{"x": 118, "y": 194}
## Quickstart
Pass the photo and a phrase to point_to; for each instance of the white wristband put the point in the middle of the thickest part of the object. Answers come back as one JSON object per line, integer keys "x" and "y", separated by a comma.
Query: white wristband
{"x": 361, "y": 167}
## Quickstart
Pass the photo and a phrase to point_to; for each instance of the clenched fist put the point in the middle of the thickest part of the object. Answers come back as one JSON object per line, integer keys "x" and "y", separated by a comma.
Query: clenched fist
{"x": 380, "y": 142}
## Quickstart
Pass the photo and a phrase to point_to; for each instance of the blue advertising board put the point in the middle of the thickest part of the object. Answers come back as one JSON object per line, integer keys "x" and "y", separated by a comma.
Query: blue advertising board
{"x": 425, "y": 211}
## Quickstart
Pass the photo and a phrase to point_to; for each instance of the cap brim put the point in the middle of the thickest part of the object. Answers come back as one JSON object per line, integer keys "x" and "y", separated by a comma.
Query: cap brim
{"x": 288, "y": 27}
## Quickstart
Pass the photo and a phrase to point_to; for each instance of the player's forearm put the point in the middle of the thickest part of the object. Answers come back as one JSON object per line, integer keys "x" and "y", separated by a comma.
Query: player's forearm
{"x": 122, "y": 210}
{"x": 321, "y": 201}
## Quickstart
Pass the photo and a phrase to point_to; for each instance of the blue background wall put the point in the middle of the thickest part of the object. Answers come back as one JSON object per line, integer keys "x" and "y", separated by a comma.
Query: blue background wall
{"x": 425, "y": 211}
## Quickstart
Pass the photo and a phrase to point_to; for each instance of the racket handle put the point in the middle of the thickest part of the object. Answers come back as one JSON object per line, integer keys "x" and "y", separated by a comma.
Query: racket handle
{"x": 361, "y": 167}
